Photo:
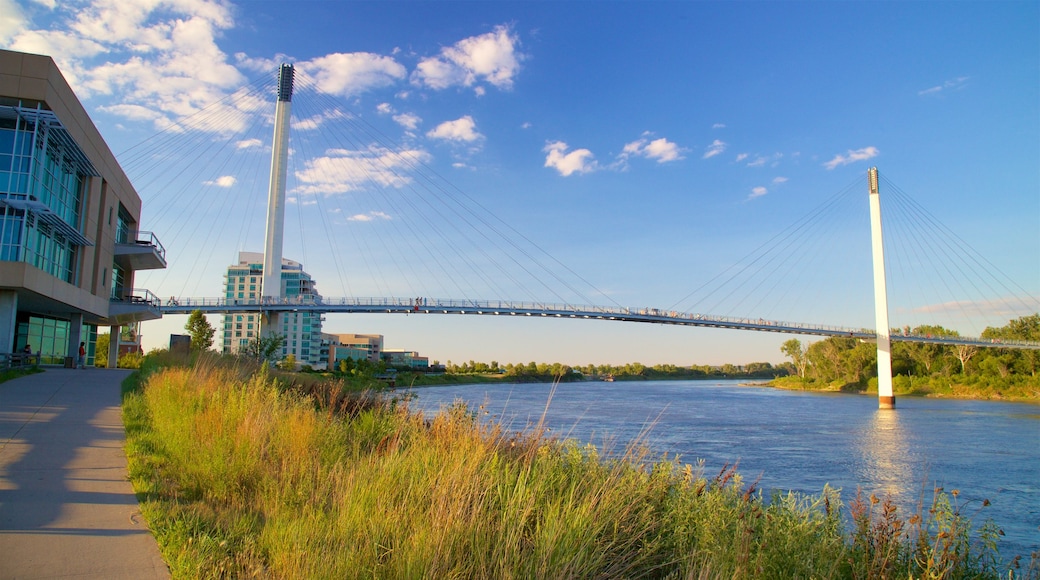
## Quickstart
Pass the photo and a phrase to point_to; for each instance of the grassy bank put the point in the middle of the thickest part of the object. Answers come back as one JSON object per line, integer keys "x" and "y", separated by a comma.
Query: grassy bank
{"x": 243, "y": 475}
{"x": 1016, "y": 388}
{"x": 14, "y": 373}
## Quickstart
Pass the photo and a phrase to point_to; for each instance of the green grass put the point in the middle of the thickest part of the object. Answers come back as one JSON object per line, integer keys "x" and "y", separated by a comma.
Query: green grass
{"x": 14, "y": 373}
{"x": 244, "y": 475}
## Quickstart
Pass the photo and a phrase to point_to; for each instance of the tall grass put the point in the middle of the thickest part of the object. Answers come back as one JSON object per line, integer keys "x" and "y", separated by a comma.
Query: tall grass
{"x": 245, "y": 475}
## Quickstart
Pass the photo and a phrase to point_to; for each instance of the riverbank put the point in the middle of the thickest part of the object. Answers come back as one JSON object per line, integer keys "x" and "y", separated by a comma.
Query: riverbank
{"x": 1022, "y": 390}
{"x": 241, "y": 475}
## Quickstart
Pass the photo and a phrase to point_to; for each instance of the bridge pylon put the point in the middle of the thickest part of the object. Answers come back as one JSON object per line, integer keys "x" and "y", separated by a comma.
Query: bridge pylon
{"x": 272, "y": 277}
{"x": 886, "y": 398}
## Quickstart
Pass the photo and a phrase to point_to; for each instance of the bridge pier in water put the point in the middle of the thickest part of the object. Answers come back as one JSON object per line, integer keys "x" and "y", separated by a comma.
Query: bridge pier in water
{"x": 886, "y": 398}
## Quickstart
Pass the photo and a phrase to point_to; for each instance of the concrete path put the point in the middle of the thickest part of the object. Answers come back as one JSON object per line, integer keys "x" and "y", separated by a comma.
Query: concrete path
{"x": 67, "y": 509}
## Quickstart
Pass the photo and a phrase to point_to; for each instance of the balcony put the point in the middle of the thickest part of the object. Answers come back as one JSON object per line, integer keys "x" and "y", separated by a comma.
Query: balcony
{"x": 136, "y": 305}
{"x": 140, "y": 251}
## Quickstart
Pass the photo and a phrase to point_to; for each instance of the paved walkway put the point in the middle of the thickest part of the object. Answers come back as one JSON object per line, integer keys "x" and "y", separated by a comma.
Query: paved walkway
{"x": 67, "y": 509}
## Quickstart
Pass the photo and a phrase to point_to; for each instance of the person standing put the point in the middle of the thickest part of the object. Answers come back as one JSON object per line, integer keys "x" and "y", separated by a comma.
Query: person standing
{"x": 81, "y": 362}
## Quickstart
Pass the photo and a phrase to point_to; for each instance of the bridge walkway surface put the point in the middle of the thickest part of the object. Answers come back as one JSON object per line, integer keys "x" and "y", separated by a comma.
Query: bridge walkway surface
{"x": 67, "y": 509}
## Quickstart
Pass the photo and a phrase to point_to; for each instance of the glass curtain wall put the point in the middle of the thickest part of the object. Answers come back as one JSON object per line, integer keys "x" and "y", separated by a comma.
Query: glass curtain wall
{"x": 39, "y": 164}
{"x": 50, "y": 338}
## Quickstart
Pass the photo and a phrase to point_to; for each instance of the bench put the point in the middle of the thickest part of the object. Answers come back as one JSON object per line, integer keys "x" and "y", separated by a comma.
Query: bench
{"x": 17, "y": 359}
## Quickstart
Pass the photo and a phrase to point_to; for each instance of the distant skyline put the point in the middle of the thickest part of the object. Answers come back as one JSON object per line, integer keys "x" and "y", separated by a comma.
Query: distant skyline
{"x": 646, "y": 146}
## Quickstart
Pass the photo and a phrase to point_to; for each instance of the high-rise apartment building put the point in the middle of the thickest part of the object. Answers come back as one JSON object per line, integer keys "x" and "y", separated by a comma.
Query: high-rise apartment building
{"x": 69, "y": 237}
{"x": 301, "y": 329}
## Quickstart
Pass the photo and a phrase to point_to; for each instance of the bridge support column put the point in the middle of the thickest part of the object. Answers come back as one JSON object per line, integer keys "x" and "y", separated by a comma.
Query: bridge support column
{"x": 886, "y": 398}
{"x": 272, "y": 277}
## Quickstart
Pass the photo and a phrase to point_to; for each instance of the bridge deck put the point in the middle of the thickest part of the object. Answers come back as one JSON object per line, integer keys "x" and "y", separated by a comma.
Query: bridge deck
{"x": 509, "y": 308}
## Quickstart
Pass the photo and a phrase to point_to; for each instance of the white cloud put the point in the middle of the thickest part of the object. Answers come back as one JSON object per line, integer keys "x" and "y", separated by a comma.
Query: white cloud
{"x": 741, "y": 157}
{"x": 491, "y": 57}
{"x": 778, "y": 180}
{"x": 384, "y": 108}
{"x": 1005, "y": 307}
{"x": 349, "y": 74}
{"x": 459, "y": 130}
{"x": 719, "y": 126}
{"x": 661, "y": 149}
{"x": 714, "y": 149}
{"x": 342, "y": 170}
{"x": 12, "y": 22}
{"x": 409, "y": 121}
{"x": 222, "y": 181}
{"x": 761, "y": 160}
{"x": 248, "y": 143}
{"x": 852, "y": 156}
{"x": 368, "y": 217}
{"x": 757, "y": 192}
{"x": 950, "y": 85}
{"x": 156, "y": 55}
{"x": 315, "y": 121}
{"x": 577, "y": 161}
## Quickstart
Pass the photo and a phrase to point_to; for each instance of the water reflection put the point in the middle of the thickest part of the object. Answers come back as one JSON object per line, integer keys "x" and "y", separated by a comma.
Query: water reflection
{"x": 886, "y": 460}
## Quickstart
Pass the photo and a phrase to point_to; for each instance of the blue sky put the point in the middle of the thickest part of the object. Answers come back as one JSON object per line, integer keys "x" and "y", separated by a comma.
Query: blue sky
{"x": 647, "y": 146}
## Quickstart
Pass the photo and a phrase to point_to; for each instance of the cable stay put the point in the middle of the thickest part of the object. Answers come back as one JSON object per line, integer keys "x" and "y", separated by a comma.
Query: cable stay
{"x": 375, "y": 213}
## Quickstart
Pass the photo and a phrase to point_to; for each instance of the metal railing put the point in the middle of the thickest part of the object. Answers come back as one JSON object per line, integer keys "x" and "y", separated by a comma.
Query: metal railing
{"x": 144, "y": 238}
{"x": 140, "y": 296}
{"x": 422, "y": 305}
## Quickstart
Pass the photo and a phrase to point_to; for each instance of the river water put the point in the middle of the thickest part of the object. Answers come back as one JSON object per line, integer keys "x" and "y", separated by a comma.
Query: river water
{"x": 800, "y": 441}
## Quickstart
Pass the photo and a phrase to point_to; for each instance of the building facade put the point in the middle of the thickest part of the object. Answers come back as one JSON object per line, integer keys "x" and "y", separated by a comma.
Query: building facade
{"x": 357, "y": 347}
{"x": 409, "y": 359}
{"x": 69, "y": 237}
{"x": 302, "y": 330}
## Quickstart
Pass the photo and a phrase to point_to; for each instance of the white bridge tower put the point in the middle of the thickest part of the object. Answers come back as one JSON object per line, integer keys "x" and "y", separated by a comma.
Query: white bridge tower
{"x": 886, "y": 399}
{"x": 272, "y": 281}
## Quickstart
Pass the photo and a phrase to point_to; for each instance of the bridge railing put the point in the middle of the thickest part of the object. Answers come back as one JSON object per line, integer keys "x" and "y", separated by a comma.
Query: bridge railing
{"x": 422, "y": 303}
{"x": 647, "y": 314}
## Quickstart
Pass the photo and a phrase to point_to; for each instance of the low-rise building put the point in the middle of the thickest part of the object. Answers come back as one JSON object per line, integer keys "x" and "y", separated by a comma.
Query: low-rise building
{"x": 406, "y": 359}
{"x": 70, "y": 241}
{"x": 357, "y": 347}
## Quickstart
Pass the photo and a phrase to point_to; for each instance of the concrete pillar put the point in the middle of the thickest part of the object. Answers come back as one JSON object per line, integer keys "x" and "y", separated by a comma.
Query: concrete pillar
{"x": 75, "y": 333}
{"x": 8, "y": 319}
{"x": 113, "y": 347}
{"x": 75, "y": 330}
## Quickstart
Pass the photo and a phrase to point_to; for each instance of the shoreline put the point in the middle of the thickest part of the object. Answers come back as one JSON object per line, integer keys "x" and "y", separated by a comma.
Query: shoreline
{"x": 764, "y": 382}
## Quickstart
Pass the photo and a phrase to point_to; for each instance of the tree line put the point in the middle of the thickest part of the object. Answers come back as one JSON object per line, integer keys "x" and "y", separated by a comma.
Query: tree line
{"x": 925, "y": 366}
{"x": 544, "y": 372}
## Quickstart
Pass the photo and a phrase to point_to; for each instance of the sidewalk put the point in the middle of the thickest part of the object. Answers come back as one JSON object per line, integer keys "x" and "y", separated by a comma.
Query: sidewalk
{"x": 67, "y": 509}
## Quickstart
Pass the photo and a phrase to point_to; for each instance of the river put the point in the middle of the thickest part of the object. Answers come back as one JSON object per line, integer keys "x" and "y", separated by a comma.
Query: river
{"x": 801, "y": 441}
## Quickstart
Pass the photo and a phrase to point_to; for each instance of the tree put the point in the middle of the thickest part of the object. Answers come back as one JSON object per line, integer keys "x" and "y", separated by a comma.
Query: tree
{"x": 101, "y": 350}
{"x": 288, "y": 363}
{"x": 964, "y": 352}
{"x": 796, "y": 352}
{"x": 928, "y": 354}
{"x": 200, "y": 330}
{"x": 262, "y": 348}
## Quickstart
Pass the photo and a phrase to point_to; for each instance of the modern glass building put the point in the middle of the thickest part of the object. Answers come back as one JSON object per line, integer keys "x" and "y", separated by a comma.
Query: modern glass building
{"x": 69, "y": 237}
{"x": 302, "y": 330}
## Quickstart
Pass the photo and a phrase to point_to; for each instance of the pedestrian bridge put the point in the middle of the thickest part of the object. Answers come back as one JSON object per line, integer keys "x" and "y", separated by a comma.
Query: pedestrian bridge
{"x": 422, "y": 306}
